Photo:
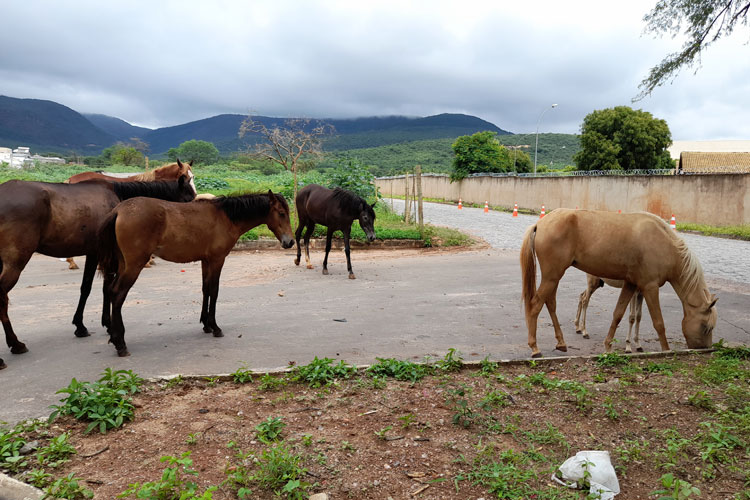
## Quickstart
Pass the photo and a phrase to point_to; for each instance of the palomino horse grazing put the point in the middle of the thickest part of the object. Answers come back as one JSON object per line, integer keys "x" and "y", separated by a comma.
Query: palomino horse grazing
{"x": 638, "y": 248}
{"x": 636, "y": 305}
{"x": 170, "y": 172}
{"x": 336, "y": 209}
{"x": 204, "y": 230}
{"x": 61, "y": 220}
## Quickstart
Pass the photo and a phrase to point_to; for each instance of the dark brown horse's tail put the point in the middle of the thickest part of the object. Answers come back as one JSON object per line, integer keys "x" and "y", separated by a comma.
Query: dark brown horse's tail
{"x": 528, "y": 266}
{"x": 109, "y": 251}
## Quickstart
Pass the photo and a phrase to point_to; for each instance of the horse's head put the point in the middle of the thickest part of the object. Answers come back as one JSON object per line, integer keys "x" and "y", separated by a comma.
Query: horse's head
{"x": 278, "y": 220}
{"x": 698, "y": 324}
{"x": 185, "y": 189}
{"x": 367, "y": 220}
{"x": 188, "y": 172}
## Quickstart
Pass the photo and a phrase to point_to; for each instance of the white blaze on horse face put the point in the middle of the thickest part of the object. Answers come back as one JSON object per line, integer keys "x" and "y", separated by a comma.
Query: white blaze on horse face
{"x": 191, "y": 176}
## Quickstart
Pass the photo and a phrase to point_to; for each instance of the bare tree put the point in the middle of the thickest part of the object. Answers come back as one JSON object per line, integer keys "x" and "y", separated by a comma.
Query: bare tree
{"x": 288, "y": 143}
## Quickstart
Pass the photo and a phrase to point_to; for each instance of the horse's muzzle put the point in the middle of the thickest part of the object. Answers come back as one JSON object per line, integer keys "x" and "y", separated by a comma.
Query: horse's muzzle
{"x": 371, "y": 237}
{"x": 287, "y": 242}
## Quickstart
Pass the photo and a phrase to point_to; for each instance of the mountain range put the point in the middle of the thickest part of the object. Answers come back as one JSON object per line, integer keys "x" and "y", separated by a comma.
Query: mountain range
{"x": 47, "y": 126}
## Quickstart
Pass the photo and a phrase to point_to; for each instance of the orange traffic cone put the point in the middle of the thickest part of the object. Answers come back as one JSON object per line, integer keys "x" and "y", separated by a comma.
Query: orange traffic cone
{"x": 619, "y": 211}
{"x": 460, "y": 205}
{"x": 486, "y": 207}
{"x": 673, "y": 223}
{"x": 542, "y": 214}
{"x": 515, "y": 210}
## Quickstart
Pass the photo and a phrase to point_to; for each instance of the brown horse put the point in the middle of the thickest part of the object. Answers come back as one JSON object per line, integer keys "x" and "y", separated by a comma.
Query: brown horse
{"x": 336, "y": 209}
{"x": 593, "y": 283}
{"x": 170, "y": 172}
{"x": 204, "y": 230}
{"x": 61, "y": 220}
{"x": 638, "y": 248}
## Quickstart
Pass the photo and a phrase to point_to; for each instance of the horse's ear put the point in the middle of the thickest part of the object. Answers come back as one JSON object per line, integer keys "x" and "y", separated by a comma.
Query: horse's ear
{"x": 271, "y": 197}
{"x": 190, "y": 163}
{"x": 714, "y": 300}
{"x": 373, "y": 205}
{"x": 179, "y": 163}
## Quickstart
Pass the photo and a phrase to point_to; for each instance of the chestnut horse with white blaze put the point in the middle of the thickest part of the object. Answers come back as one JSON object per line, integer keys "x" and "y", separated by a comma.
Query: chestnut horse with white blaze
{"x": 638, "y": 248}
{"x": 204, "y": 230}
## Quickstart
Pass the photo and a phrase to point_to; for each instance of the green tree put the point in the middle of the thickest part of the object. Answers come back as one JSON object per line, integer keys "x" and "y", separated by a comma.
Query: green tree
{"x": 198, "y": 152}
{"x": 701, "y": 21}
{"x": 120, "y": 154}
{"x": 479, "y": 153}
{"x": 622, "y": 138}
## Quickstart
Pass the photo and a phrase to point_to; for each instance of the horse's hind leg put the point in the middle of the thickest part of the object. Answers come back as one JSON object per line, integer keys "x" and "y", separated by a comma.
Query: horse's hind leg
{"x": 583, "y": 306}
{"x": 297, "y": 236}
{"x": 628, "y": 289}
{"x": 210, "y": 296}
{"x": 120, "y": 288}
{"x": 308, "y": 233}
{"x": 89, "y": 269}
{"x": 634, "y": 320}
{"x": 534, "y": 307}
{"x": 9, "y": 273}
{"x": 551, "y": 303}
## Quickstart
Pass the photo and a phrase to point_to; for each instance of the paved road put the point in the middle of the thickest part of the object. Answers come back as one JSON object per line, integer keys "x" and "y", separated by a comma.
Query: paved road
{"x": 720, "y": 257}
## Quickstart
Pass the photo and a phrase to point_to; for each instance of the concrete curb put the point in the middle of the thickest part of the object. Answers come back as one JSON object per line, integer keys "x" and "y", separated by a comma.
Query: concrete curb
{"x": 11, "y": 489}
{"x": 337, "y": 243}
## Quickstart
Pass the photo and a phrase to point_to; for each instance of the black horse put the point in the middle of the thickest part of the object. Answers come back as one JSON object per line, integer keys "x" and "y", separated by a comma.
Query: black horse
{"x": 336, "y": 209}
{"x": 61, "y": 220}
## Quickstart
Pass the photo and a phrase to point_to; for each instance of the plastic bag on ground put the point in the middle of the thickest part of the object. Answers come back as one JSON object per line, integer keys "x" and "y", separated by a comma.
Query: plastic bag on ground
{"x": 601, "y": 475}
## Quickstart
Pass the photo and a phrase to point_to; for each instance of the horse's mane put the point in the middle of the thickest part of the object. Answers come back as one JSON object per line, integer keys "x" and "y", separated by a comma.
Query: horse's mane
{"x": 240, "y": 207}
{"x": 144, "y": 177}
{"x": 155, "y": 189}
{"x": 691, "y": 273}
{"x": 350, "y": 201}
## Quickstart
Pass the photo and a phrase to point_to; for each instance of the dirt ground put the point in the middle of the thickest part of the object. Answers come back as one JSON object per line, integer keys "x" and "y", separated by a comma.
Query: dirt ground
{"x": 495, "y": 432}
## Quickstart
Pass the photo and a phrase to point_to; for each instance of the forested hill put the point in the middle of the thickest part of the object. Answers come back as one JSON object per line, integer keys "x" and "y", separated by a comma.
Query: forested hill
{"x": 51, "y": 127}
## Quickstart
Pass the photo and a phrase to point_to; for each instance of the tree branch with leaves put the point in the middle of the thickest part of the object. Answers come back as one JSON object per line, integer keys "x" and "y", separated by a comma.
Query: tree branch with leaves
{"x": 703, "y": 22}
{"x": 288, "y": 143}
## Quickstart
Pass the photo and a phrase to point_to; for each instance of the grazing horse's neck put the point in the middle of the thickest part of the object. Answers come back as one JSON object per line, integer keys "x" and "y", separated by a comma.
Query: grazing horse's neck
{"x": 689, "y": 284}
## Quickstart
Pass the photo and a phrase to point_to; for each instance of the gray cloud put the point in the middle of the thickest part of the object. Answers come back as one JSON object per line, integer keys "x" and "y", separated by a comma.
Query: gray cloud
{"x": 164, "y": 63}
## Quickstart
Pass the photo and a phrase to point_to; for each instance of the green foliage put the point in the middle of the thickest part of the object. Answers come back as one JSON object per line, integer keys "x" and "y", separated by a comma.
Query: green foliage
{"x": 611, "y": 360}
{"x": 278, "y": 469}
{"x": 353, "y": 176}
{"x": 400, "y": 370}
{"x": 68, "y": 487}
{"x": 269, "y": 382}
{"x": 321, "y": 372}
{"x": 175, "y": 483}
{"x": 383, "y": 433}
{"x": 198, "y": 152}
{"x": 675, "y": 489}
{"x": 479, "y": 153}
{"x": 451, "y": 362}
{"x": 740, "y": 232}
{"x": 270, "y": 429}
{"x": 210, "y": 184}
{"x": 11, "y": 443}
{"x": 121, "y": 154}
{"x": 243, "y": 375}
{"x": 702, "y": 22}
{"x": 106, "y": 403}
{"x": 57, "y": 451}
{"x": 622, "y": 138}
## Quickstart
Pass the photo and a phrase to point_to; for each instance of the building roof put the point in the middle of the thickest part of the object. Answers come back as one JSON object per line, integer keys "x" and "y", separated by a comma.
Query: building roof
{"x": 678, "y": 147}
{"x": 710, "y": 162}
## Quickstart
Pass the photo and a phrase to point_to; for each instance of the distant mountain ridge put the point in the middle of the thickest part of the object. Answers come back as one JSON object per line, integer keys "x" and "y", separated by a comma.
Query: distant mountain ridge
{"x": 51, "y": 127}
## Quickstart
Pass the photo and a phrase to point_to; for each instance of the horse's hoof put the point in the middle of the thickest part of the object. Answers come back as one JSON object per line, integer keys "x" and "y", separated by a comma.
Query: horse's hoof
{"x": 123, "y": 353}
{"x": 310, "y": 266}
{"x": 296, "y": 262}
{"x": 352, "y": 277}
{"x": 628, "y": 350}
{"x": 3, "y": 365}
{"x": 325, "y": 272}
{"x": 73, "y": 267}
{"x": 19, "y": 348}
{"x": 536, "y": 355}
{"x": 579, "y": 332}
{"x": 586, "y": 335}
{"x": 218, "y": 332}
{"x": 639, "y": 349}
{"x": 562, "y": 348}
{"x": 208, "y": 329}
{"x": 81, "y": 332}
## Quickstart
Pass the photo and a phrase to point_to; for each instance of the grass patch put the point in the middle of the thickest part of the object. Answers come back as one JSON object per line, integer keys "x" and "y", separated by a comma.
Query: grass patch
{"x": 740, "y": 232}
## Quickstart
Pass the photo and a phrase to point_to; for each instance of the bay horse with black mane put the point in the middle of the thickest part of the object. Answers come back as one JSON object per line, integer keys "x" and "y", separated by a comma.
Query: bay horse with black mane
{"x": 336, "y": 209}
{"x": 638, "y": 248}
{"x": 170, "y": 172}
{"x": 205, "y": 230}
{"x": 61, "y": 220}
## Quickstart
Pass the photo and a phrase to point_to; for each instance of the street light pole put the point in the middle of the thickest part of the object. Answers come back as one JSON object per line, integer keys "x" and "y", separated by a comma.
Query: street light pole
{"x": 536, "y": 146}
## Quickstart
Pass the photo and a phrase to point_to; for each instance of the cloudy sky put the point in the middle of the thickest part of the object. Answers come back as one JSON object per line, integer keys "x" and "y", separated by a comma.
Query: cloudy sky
{"x": 159, "y": 63}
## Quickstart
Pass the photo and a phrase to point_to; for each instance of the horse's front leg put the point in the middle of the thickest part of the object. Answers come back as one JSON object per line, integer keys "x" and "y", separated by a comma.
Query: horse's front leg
{"x": 308, "y": 233}
{"x": 89, "y": 269}
{"x": 109, "y": 279}
{"x": 10, "y": 271}
{"x": 206, "y": 270}
{"x": 628, "y": 289}
{"x": 347, "y": 252}
{"x": 329, "y": 237}
{"x": 214, "y": 295}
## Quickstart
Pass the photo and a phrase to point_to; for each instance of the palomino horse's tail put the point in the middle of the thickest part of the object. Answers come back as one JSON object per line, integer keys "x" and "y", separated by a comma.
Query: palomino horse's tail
{"x": 109, "y": 251}
{"x": 528, "y": 266}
